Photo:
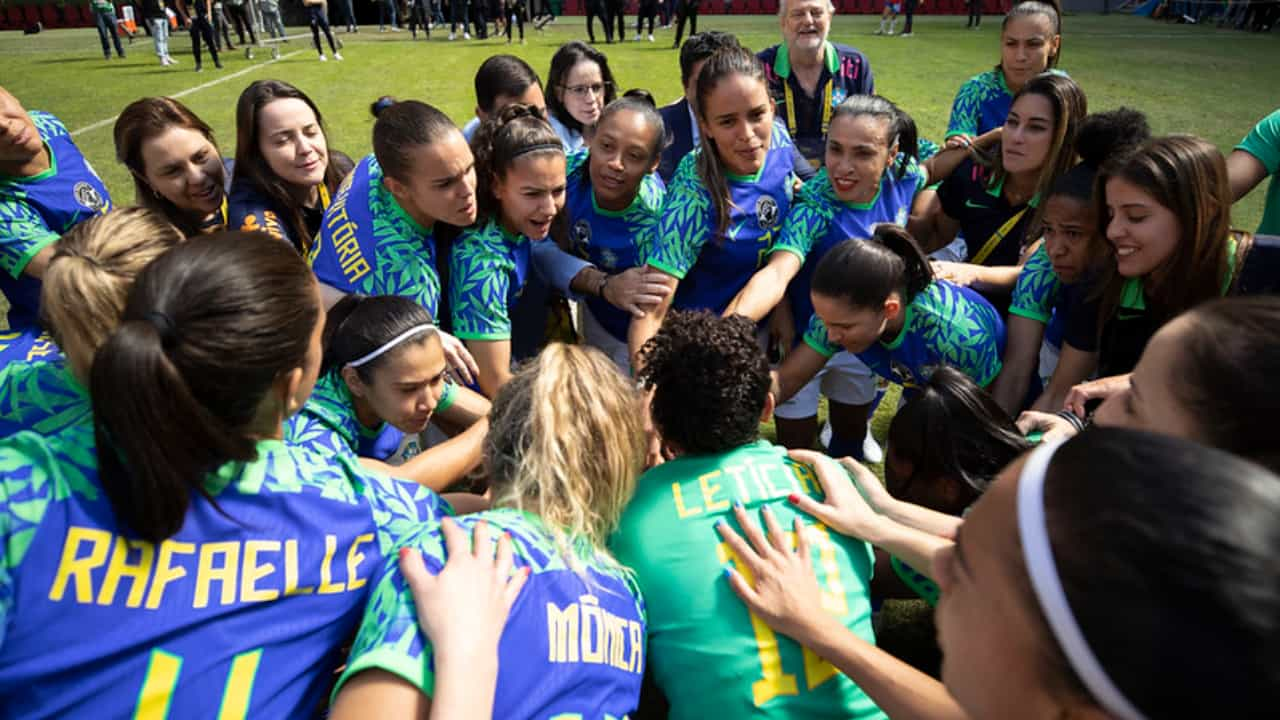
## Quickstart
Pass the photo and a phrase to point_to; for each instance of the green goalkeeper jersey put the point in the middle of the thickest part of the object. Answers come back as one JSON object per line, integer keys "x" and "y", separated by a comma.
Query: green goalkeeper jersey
{"x": 710, "y": 656}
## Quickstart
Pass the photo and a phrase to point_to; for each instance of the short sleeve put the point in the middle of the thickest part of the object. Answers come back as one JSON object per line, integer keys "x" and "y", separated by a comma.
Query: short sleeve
{"x": 816, "y": 337}
{"x": 404, "y": 268}
{"x": 686, "y": 222}
{"x": 966, "y": 109}
{"x": 1263, "y": 142}
{"x": 1081, "y": 329}
{"x": 23, "y": 234}
{"x": 309, "y": 431}
{"x": 804, "y": 224}
{"x": 951, "y": 193}
{"x": 478, "y": 292}
{"x": 400, "y": 507}
{"x": 1037, "y": 289}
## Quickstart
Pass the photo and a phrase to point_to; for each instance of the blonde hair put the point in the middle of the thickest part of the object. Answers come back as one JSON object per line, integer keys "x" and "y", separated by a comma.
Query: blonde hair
{"x": 566, "y": 443}
{"x": 87, "y": 283}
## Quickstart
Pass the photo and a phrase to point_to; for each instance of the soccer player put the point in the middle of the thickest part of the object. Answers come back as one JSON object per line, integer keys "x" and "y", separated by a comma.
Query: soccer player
{"x": 1256, "y": 157}
{"x": 218, "y": 567}
{"x": 1024, "y": 600}
{"x": 175, "y": 164}
{"x": 879, "y": 300}
{"x": 871, "y": 176}
{"x": 1030, "y": 43}
{"x": 889, "y": 15}
{"x": 383, "y": 379}
{"x": 1048, "y": 318}
{"x": 999, "y": 209}
{"x": 727, "y": 201}
{"x": 613, "y": 202}
{"x": 710, "y": 383}
{"x": 46, "y": 188}
{"x": 284, "y": 173}
{"x": 563, "y": 454}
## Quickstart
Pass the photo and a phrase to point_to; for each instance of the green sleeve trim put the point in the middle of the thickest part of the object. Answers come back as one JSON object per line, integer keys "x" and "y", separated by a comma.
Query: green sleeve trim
{"x": 788, "y": 249}
{"x": 32, "y": 251}
{"x": 1029, "y": 314}
{"x": 919, "y": 584}
{"x": 482, "y": 336}
{"x": 819, "y": 348}
{"x": 447, "y": 398}
{"x": 664, "y": 267}
{"x": 387, "y": 659}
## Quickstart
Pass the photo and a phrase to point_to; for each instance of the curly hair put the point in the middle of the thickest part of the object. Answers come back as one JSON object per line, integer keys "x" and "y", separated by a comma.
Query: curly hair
{"x": 710, "y": 380}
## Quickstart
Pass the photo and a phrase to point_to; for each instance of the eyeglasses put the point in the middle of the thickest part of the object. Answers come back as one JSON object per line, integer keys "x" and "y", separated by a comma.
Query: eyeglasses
{"x": 584, "y": 92}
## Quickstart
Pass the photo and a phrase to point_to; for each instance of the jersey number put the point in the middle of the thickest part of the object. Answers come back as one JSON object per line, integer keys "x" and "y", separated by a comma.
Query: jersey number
{"x": 774, "y": 680}
{"x": 162, "y": 677}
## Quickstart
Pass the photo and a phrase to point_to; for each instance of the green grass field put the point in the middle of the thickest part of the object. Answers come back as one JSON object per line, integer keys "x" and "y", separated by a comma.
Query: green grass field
{"x": 1187, "y": 78}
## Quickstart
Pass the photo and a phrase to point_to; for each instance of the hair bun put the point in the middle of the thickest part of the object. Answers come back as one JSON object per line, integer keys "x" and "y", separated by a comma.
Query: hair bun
{"x": 381, "y": 104}
{"x": 1105, "y": 134}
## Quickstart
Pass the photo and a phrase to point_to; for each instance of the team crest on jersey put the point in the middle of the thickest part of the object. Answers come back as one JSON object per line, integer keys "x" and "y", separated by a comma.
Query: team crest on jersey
{"x": 609, "y": 259}
{"x": 582, "y": 233}
{"x": 901, "y": 217}
{"x": 903, "y": 373}
{"x": 88, "y": 196}
{"x": 837, "y": 96}
{"x": 766, "y": 212}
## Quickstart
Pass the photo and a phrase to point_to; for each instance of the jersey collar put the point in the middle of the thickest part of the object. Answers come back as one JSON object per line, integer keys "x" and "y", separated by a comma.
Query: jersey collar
{"x": 782, "y": 60}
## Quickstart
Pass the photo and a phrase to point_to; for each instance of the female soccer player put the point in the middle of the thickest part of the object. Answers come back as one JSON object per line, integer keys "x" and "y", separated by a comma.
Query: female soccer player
{"x": 580, "y": 84}
{"x": 879, "y": 300}
{"x": 1024, "y": 598}
{"x": 563, "y": 453}
{"x": 998, "y": 210}
{"x": 1169, "y": 210}
{"x": 176, "y": 167}
{"x": 219, "y": 567}
{"x": 285, "y": 173}
{"x": 710, "y": 384}
{"x": 46, "y": 187}
{"x": 1048, "y": 318}
{"x": 382, "y": 382}
{"x": 42, "y": 380}
{"x": 1030, "y": 44}
{"x": 871, "y": 176}
{"x": 726, "y": 203}
{"x": 613, "y": 202}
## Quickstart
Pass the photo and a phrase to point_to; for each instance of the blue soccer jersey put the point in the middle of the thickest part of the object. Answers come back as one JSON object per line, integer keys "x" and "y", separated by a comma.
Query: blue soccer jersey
{"x": 27, "y": 346}
{"x": 712, "y": 267}
{"x": 609, "y": 240}
{"x": 488, "y": 268}
{"x": 945, "y": 325}
{"x": 573, "y": 645}
{"x": 41, "y": 396}
{"x": 819, "y": 221}
{"x": 368, "y": 244}
{"x": 241, "y": 613}
{"x": 982, "y": 104}
{"x": 35, "y": 211}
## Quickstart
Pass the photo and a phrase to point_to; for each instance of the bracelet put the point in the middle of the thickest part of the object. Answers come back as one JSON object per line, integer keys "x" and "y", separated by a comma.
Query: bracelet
{"x": 603, "y": 282}
{"x": 1070, "y": 417}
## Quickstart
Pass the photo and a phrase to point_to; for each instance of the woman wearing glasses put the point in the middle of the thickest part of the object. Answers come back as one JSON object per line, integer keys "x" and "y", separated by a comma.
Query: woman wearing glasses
{"x": 580, "y": 85}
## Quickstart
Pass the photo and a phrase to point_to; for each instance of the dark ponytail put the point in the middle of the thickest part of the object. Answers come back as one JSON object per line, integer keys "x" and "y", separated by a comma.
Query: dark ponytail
{"x": 864, "y": 273}
{"x": 1101, "y": 136}
{"x": 360, "y": 324}
{"x": 401, "y": 128}
{"x": 512, "y": 132}
{"x": 726, "y": 62}
{"x": 208, "y": 329}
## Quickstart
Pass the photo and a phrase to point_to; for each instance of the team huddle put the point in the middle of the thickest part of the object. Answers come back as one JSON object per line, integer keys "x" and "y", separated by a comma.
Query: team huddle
{"x": 470, "y": 426}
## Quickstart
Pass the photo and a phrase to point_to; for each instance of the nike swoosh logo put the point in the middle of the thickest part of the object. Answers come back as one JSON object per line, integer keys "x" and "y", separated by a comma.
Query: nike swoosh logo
{"x": 972, "y": 204}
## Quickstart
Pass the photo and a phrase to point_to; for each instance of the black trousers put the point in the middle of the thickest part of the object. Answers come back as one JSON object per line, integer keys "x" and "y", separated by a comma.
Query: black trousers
{"x": 687, "y": 10}
{"x": 648, "y": 10}
{"x": 618, "y": 18}
{"x": 515, "y": 16}
{"x": 596, "y": 9}
{"x": 975, "y": 13}
{"x": 239, "y": 15}
{"x": 316, "y": 16}
{"x": 909, "y": 7}
{"x": 202, "y": 30}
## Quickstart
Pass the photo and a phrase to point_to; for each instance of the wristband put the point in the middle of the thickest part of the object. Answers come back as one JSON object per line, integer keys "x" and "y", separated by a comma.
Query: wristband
{"x": 1070, "y": 417}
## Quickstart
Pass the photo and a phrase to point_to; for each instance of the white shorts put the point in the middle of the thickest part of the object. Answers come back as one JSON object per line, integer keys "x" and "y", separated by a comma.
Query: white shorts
{"x": 956, "y": 251}
{"x": 844, "y": 379}
{"x": 595, "y": 335}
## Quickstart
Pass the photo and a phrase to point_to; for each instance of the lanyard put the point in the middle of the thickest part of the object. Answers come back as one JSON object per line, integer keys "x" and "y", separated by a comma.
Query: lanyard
{"x": 996, "y": 238}
{"x": 792, "y": 127}
{"x": 324, "y": 196}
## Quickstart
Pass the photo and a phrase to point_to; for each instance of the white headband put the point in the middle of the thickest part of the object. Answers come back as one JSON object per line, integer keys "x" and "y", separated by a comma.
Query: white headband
{"x": 391, "y": 343}
{"x": 1038, "y": 555}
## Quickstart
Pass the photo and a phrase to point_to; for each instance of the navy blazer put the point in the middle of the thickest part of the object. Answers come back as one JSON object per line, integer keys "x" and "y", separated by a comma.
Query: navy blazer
{"x": 680, "y": 143}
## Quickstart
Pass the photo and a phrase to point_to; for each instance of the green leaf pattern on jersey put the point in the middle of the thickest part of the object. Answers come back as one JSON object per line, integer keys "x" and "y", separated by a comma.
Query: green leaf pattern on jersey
{"x": 482, "y": 266}
{"x": 404, "y": 261}
{"x": 959, "y": 331}
{"x": 808, "y": 219}
{"x": 327, "y": 422}
{"x": 973, "y": 94}
{"x": 41, "y": 396}
{"x": 686, "y": 223}
{"x": 1038, "y": 288}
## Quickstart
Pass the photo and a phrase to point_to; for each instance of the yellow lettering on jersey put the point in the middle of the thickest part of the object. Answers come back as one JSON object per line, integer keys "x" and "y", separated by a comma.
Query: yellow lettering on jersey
{"x": 635, "y": 662}
{"x": 737, "y": 472}
{"x": 327, "y": 587}
{"x": 251, "y": 572}
{"x": 594, "y": 636}
{"x": 165, "y": 571}
{"x": 709, "y": 490}
{"x": 291, "y": 571}
{"x": 773, "y": 681}
{"x": 119, "y": 567}
{"x": 79, "y": 569}
{"x": 682, "y": 511}
{"x": 789, "y": 483}
{"x": 354, "y": 558}
{"x": 43, "y": 347}
{"x": 207, "y": 573}
{"x": 562, "y": 629}
{"x": 754, "y": 473}
{"x": 808, "y": 479}
{"x": 235, "y": 697}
